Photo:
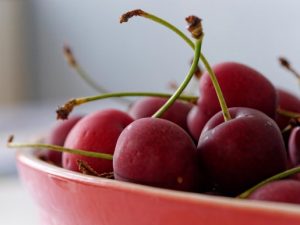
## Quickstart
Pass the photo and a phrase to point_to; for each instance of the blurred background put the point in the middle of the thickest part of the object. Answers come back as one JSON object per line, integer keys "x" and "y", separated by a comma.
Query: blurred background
{"x": 139, "y": 55}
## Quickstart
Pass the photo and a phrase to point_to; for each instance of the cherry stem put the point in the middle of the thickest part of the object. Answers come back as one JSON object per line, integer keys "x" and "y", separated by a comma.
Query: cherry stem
{"x": 219, "y": 92}
{"x": 73, "y": 63}
{"x": 198, "y": 72}
{"x": 125, "y": 17}
{"x": 287, "y": 128}
{"x": 64, "y": 111}
{"x": 183, "y": 85}
{"x": 287, "y": 113}
{"x": 294, "y": 116}
{"x": 70, "y": 58}
{"x": 278, "y": 176}
{"x": 138, "y": 12}
{"x": 294, "y": 122}
{"x": 286, "y": 64}
{"x": 40, "y": 146}
{"x": 85, "y": 168}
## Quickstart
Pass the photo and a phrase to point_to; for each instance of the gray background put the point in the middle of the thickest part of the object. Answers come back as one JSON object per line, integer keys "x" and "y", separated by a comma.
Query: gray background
{"x": 141, "y": 55}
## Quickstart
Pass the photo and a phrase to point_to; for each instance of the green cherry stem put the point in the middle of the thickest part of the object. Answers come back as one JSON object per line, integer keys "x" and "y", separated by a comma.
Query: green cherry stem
{"x": 294, "y": 117}
{"x": 57, "y": 148}
{"x": 219, "y": 93}
{"x": 183, "y": 85}
{"x": 138, "y": 12}
{"x": 64, "y": 110}
{"x": 278, "y": 176}
{"x": 73, "y": 63}
{"x": 71, "y": 60}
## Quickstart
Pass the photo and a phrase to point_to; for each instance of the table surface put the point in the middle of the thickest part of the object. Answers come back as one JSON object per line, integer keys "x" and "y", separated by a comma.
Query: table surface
{"x": 17, "y": 207}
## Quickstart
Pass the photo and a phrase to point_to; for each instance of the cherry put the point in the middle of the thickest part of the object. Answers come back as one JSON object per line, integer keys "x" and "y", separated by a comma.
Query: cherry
{"x": 294, "y": 146}
{"x": 156, "y": 152}
{"x": 268, "y": 104}
{"x": 96, "y": 132}
{"x": 241, "y": 152}
{"x": 240, "y": 85}
{"x": 287, "y": 191}
{"x": 286, "y": 102}
{"x": 296, "y": 176}
{"x": 57, "y": 136}
{"x": 147, "y": 106}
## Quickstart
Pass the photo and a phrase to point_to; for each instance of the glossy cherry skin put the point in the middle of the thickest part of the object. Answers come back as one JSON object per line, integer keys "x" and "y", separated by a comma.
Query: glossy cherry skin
{"x": 287, "y": 191}
{"x": 159, "y": 153}
{"x": 97, "y": 132}
{"x": 289, "y": 102}
{"x": 147, "y": 106}
{"x": 294, "y": 147}
{"x": 57, "y": 136}
{"x": 294, "y": 151}
{"x": 241, "y": 85}
{"x": 241, "y": 152}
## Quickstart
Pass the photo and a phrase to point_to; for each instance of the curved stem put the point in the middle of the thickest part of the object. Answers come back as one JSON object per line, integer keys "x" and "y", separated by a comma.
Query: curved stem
{"x": 171, "y": 27}
{"x": 79, "y": 101}
{"x": 73, "y": 63}
{"x": 278, "y": 176}
{"x": 186, "y": 81}
{"x": 207, "y": 66}
{"x": 61, "y": 149}
{"x": 64, "y": 111}
{"x": 84, "y": 76}
{"x": 218, "y": 90}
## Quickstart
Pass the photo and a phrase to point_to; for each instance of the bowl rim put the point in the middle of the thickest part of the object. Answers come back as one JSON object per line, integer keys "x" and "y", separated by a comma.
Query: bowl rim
{"x": 30, "y": 159}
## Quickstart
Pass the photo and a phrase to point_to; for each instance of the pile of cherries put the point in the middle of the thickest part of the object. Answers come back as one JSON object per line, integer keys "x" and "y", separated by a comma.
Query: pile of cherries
{"x": 240, "y": 137}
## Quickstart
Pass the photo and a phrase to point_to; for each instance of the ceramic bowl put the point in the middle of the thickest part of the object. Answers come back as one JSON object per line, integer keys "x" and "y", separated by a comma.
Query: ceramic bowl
{"x": 69, "y": 198}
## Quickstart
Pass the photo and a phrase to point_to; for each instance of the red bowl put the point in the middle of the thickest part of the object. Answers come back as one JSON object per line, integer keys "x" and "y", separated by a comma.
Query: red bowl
{"x": 69, "y": 198}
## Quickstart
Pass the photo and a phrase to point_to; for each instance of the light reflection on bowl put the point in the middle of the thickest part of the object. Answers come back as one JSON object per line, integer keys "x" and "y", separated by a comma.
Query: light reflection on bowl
{"x": 69, "y": 198}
